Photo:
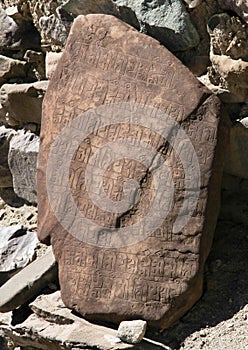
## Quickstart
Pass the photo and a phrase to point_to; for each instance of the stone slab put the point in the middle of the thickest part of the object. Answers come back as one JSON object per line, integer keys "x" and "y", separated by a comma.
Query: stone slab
{"x": 22, "y": 159}
{"x": 23, "y": 102}
{"x": 143, "y": 258}
{"x": 53, "y": 327}
{"x": 17, "y": 247}
{"x": 28, "y": 282}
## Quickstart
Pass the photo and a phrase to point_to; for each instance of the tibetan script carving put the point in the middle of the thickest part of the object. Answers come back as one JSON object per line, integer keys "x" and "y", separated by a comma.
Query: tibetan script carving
{"x": 129, "y": 175}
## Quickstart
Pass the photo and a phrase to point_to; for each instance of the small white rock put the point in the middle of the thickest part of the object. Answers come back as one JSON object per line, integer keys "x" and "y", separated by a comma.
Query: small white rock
{"x": 132, "y": 331}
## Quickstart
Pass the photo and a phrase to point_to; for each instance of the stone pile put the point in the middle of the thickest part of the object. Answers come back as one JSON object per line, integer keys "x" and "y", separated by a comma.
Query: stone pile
{"x": 209, "y": 37}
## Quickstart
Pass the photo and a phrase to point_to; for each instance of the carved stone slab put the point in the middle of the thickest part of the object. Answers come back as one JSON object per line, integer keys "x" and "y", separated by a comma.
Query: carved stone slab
{"x": 129, "y": 175}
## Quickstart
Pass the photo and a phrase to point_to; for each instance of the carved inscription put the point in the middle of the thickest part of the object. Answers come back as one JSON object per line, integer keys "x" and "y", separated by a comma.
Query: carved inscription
{"x": 90, "y": 206}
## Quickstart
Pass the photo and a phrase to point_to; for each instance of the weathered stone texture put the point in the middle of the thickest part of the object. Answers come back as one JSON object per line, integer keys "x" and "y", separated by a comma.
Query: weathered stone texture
{"x": 23, "y": 153}
{"x": 160, "y": 278}
{"x": 5, "y": 175}
{"x": 28, "y": 282}
{"x": 22, "y": 103}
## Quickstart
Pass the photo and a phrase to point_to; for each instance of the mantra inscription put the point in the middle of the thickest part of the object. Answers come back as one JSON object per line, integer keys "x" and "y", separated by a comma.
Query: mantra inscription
{"x": 128, "y": 175}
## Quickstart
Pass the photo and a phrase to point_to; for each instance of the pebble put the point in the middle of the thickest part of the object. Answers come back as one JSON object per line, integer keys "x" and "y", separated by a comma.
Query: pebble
{"x": 132, "y": 331}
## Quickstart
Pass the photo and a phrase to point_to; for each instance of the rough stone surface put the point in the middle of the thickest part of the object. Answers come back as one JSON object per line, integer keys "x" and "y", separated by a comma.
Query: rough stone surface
{"x": 236, "y": 159}
{"x": 5, "y": 175}
{"x": 17, "y": 247}
{"x": 8, "y": 30}
{"x": 23, "y": 153}
{"x": 228, "y": 55}
{"x": 54, "y": 327}
{"x": 11, "y": 68}
{"x": 167, "y": 21}
{"x": 162, "y": 274}
{"x": 231, "y": 75}
{"x": 238, "y": 6}
{"x": 229, "y": 36}
{"x": 51, "y": 63}
{"x": 132, "y": 331}
{"x": 23, "y": 102}
{"x": 28, "y": 282}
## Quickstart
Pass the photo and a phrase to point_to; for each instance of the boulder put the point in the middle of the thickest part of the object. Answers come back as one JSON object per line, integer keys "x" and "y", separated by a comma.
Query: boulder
{"x": 128, "y": 194}
{"x": 5, "y": 175}
{"x": 23, "y": 153}
{"x": 132, "y": 331}
{"x": 23, "y": 102}
{"x": 28, "y": 282}
{"x": 167, "y": 21}
{"x": 11, "y": 69}
{"x": 8, "y": 31}
{"x": 17, "y": 249}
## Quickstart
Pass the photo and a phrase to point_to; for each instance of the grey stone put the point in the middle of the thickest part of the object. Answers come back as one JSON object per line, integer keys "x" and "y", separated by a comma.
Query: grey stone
{"x": 28, "y": 282}
{"x": 238, "y": 6}
{"x": 11, "y": 69}
{"x": 23, "y": 102}
{"x": 23, "y": 153}
{"x": 167, "y": 21}
{"x": 53, "y": 30}
{"x": 8, "y": 30}
{"x": 52, "y": 59}
{"x": 17, "y": 247}
{"x": 5, "y": 175}
{"x": 53, "y": 326}
{"x": 132, "y": 331}
{"x": 236, "y": 159}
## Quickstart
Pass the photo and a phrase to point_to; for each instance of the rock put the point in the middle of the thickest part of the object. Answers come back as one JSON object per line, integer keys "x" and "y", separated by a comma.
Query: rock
{"x": 23, "y": 153}
{"x": 8, "y": 31}
{"x": 53, "y": 326}
{"x": 17, "y": 249}
{"x": 11, "y": 69}
{"x": 132, "y": 331}
{"x": 77, "y": 7}
{"x": 236, "y": 158}
{"x": 36, "y": 62}
{"x": 53, "y": 30}
{"x": 5, "y": 175}
{"x": 28, "y": 282}
{"x": 120, "y": 259}
{"x": 231, "y": 75}
{"x": 23, "y": 102}
{"x": 229, "y": 36}
{"x": 167, "y": 21}
{"x": 52, "y": 59}
{"x": 238, "y": 6}
{"x": 228, "y": 54}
